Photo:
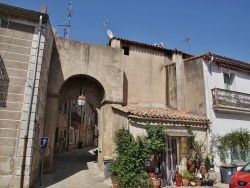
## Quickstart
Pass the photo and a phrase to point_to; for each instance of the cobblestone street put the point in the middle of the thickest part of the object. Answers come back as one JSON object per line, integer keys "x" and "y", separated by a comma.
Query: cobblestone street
{"x": 78, "y": 169}
{"x": 74, "y": 169}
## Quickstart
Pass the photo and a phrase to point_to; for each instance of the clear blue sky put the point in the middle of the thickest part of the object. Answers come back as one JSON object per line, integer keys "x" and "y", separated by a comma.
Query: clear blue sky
{"x": 219, "y": 26}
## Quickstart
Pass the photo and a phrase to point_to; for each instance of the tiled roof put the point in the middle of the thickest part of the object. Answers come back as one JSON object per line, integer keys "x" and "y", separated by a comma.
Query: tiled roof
{"x": 22, "y": 12}
{"x": 161, "y": 113}
{"x": 222, "y": 60}
{"x": 185, "y": 55}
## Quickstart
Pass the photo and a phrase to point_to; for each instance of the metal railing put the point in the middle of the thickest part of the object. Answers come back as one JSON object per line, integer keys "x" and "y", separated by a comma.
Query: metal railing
{"x": 239, "y": 156}
{"x": 222, "y": 97}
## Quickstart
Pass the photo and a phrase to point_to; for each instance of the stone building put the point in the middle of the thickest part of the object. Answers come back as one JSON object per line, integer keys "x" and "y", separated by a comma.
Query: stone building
{"x": 126, "y": 84}
{"x": 26, "y": 41}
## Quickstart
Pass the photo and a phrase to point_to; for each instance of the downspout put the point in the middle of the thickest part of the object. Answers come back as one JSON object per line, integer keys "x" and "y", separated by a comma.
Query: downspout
{"x": 26, "y": 136}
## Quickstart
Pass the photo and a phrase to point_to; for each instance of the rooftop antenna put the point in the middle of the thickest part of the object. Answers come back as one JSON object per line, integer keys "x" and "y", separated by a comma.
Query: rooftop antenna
{"x": 109, "y": 32}
{"x": 69, "y": 15}
{"x": 187, "y": 40}
{"x": 106, "y": 22}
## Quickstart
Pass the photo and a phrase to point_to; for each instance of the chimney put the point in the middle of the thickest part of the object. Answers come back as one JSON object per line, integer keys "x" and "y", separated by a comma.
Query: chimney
{"x": 44, "y": 8}
{"x": 180, "y": 72}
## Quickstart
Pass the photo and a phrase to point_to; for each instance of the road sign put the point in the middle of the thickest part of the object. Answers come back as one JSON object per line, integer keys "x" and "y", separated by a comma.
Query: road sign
{"x": 44, "y": 151}
{"x": 44, "y": 140}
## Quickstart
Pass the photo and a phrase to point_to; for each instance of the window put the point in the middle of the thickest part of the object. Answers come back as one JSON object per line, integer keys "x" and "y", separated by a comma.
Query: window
{"x": 228, "y": 81}
{"x": 126, "y": 50}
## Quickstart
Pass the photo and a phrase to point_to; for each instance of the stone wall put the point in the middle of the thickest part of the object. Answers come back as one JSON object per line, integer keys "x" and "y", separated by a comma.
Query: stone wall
{"x": 18, "y": 42}
{"x": 15, "y": 47}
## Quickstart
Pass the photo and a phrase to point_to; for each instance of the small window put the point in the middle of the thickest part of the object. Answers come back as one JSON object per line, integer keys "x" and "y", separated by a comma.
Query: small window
{"x": 126, "y": 50}
{"x": 228, "y": 81}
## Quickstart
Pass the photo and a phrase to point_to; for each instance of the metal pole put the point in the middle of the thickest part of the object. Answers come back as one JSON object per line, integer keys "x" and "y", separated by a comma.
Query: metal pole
{"x": 30, "y": 104}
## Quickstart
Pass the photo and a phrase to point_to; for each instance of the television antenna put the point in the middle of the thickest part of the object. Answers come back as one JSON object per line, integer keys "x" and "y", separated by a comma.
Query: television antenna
{"x": 106, "y": 22}
{"x": 67, "y": 26}
{"x": 187, "y": 40}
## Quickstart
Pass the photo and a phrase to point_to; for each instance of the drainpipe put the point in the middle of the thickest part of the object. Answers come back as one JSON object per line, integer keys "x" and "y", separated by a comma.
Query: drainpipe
{"x": 26, "y": 136}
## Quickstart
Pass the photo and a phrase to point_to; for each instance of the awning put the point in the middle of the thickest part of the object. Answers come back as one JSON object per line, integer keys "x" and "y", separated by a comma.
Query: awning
{"x": 179, "y": 134}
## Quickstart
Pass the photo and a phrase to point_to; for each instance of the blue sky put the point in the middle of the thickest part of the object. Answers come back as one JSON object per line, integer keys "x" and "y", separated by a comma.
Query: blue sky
{"x": 219, "y": 26}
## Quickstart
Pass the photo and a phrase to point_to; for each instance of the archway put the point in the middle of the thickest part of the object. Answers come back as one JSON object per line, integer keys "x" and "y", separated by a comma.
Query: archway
{"x": 77, "y": 125}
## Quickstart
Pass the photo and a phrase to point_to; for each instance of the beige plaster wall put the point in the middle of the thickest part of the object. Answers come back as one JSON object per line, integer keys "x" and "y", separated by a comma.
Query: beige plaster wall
{"x": 195, "y": 101}
{"x": 145, "y": 77}
{"x": 171, "y": 86}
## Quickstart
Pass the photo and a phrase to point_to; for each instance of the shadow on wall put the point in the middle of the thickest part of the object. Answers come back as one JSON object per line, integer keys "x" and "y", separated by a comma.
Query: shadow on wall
{"x": 232, "y": 116}
{"x": 125, "y": 89}
{"x": 4, "y": 84}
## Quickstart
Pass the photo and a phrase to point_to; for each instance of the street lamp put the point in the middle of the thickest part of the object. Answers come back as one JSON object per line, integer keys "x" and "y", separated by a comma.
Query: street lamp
{"x": 81, "y": 102}
{"x": 81, "y": 98}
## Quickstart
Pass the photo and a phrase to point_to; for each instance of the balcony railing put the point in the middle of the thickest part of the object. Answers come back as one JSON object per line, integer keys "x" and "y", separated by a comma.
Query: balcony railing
{"x": 232, "y": 100}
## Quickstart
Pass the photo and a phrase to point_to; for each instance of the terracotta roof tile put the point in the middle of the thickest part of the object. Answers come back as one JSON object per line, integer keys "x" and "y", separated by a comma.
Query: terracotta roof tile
{"x": 185, "y": 55}
{"x": 222, "y": 60}
{"x": 164, "y": 113}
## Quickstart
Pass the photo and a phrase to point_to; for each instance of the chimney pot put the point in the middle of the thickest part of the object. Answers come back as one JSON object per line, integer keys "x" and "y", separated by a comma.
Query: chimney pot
{"x": 44, "y": 8}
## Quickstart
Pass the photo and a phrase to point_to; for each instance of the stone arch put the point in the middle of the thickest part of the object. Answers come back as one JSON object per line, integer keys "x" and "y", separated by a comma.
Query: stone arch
{"x": 71, "y": 89}
{"x": 101, "y": 69}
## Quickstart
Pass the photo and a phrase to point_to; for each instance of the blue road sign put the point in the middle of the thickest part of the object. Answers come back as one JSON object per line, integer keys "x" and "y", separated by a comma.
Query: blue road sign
{"x": 44, "y": 140}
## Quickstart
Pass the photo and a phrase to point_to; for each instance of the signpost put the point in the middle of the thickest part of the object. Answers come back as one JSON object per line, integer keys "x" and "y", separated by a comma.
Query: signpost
{"x": 44, "y": 151}
{"x": 44, "y": 140}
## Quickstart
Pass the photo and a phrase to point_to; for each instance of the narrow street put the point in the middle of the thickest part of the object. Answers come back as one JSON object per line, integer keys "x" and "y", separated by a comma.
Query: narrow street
{"x": 76, "y": 168}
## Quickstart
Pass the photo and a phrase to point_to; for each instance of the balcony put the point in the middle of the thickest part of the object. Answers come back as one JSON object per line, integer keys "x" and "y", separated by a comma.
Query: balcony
{"x": 226, "y": 100}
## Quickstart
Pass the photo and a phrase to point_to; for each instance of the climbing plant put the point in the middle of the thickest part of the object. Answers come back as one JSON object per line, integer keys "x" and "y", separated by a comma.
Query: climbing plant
{"x": 236, "y": 138}
{"x": 128, "y": 167}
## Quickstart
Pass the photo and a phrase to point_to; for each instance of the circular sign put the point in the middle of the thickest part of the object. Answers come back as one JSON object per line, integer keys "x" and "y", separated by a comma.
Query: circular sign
{"x": 44, "y": 151}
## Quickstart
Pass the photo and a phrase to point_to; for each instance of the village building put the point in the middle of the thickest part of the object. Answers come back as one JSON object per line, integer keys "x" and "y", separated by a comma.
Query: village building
{"x": 126, "y": 84}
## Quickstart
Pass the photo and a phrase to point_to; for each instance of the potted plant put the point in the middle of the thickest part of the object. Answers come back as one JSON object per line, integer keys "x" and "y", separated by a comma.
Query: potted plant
{"x": 210, "y": 182}
{"x": 198, "y": 177}
{"x": 186, "y": 177}
{"x": 156, "y": 182}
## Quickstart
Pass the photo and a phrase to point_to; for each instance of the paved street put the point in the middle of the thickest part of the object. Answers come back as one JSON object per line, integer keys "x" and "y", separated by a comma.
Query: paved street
{"x": 78, "y": 169}
{"x": 73, "y": 169}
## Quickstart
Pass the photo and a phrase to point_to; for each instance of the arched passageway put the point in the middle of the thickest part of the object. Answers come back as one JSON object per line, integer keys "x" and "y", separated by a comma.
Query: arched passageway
{"x": 77, "y": 125}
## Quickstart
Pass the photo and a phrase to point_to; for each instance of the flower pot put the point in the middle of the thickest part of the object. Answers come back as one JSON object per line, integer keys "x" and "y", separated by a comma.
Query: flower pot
{"x": 203, "y": 183}
{"x": 192, "y": 183}
{"x": 189, "y": 162}
{"x": 156, "y": 182}
{"x": 115, "y": 184}
{"x": 178, "y": 178}
{"x": 178, "y": 183}
{"x": 203, "y": 170}
{"x": 210, "y": 183}
{"x": 197, "y": 162}
{"x": 151, "y": 175}
{"x": 185, "y": 182}
{"x": 198, "y": 182}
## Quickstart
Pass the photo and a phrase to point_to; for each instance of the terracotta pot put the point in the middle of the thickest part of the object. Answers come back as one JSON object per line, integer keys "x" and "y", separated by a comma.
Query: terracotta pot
{"x": 156, "y": 182}
{"x": 185, "y": 182}
{"x": 178, "y": 178}
{"x": 189, "y": 162}
{"x": 198, "y": 182}
{"x": 178, "y": 183}
{"x": 115, "y": 184}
